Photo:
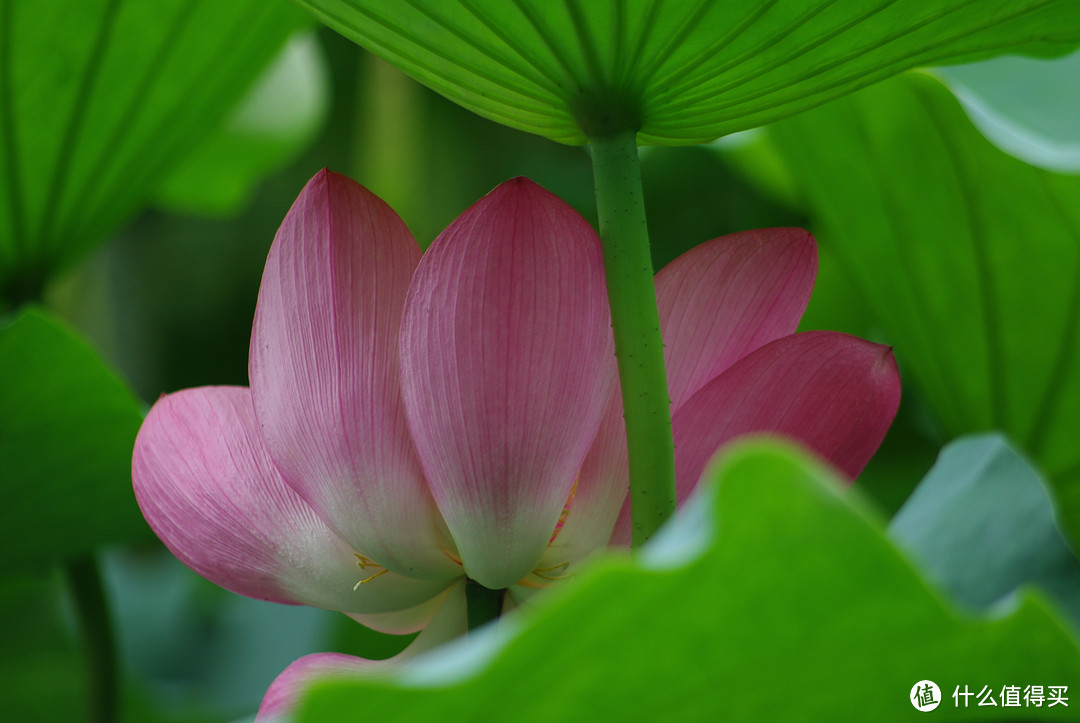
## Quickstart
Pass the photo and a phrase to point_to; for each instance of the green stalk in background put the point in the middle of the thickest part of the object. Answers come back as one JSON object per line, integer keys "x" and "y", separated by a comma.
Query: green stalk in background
{"x": 99, "y": 650}
{"x": 638, "y": 346}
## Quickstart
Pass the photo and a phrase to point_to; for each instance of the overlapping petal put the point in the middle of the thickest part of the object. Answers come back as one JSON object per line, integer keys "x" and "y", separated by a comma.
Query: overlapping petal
{"x": 208, "y": 488}
{"x": 717, "y": 303}
{"x": 723, "y": 299}
{"x": 506, "y": 369}
{"x": 834, "y": 393}
{"x": 325, "y": 373}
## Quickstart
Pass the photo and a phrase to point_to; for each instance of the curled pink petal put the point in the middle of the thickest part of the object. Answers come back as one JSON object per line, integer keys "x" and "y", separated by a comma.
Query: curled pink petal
{"x": 834, "y": 393}
{"x": 506, "y": 348}
{"x": 725, "y": 298}
{"x": 210, "y": 491}
{"x": 325, "y": 373}
{"x": 448, "y": 623}
{"x": 284, "y": 692}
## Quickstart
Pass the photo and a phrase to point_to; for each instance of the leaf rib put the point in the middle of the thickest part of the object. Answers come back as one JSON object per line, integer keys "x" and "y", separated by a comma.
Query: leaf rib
{"x": 695, "y": 63}
{"x": 541, "y": 109}
{"x": 792, "y": 93}
{"x": 553, "y": 83}
{"x": 697, "y": 75}
{"x": 675, "y": 40}
{"x": 723, "y": 113}
{"x": 922, "y": 319}
{"x": 786, "y": 85}
{"x": 648, "y": 22}
{"x": 593, "y": 66}
{"x": 165, "y": 144}
{"x": 1050, "y": 400}
{"x": 10, "y": 136}
{"x": 552, "y": 42}
{"x": 110, "y": 150}
{"x": 984, "y": 276}
{"x": 62, "y": 170}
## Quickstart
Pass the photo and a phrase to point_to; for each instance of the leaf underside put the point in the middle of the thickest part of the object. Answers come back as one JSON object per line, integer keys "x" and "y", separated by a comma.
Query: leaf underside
{"x": 680, "y": 72}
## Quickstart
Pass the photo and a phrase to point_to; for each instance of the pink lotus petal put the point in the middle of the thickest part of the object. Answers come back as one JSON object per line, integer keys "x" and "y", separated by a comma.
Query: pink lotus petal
{"x": 725, "y": 298}
{"x": 718, "y": 302}
{"x": 506, "y": 348}
{"x": 285, "y": 691}
{"x": 835, "y": 394}
{"x": 448, "y": 623}
{"x": 325, "y": 373}
{"x": 208, "y": 488}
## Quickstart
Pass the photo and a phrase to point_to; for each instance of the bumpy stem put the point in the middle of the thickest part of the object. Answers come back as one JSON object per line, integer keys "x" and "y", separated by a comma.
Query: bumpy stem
{"x": 638, "y": 346}
{"x": 92, "y": 611}
{"x": 482, "y": 605}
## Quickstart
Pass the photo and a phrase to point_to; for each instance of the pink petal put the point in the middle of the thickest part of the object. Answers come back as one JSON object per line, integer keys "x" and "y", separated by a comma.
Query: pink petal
{"x": 836, "y": 394}
{"x": 325, "y": 373}
{"x": 723, "y": 299}
{"x": 506, "y": 349}
{"x": 448, "y": 623}
{"x": 718, "y": 302}
{"x": 210, "y": 491}
{"x": 285, "y": 691}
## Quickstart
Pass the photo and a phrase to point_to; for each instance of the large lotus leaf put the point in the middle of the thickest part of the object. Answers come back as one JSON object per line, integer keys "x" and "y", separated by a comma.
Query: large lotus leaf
{"x": 969, "y": 258}
{"x": 775, "y": 597}
{"x": 100, "y": 98}
{"x": 67, "y": 427}
{"x": 680, "y": 71}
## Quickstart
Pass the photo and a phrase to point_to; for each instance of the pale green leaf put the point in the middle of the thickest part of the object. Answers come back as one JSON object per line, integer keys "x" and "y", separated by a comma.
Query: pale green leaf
{"x": 982, "y": 524}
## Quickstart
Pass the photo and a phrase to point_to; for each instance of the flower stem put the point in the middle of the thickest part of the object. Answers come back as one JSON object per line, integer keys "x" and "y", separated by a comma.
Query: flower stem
{"x": 92, "y": 611}
{"x": 482, "y": 605}
{"x": 634, "y": 317}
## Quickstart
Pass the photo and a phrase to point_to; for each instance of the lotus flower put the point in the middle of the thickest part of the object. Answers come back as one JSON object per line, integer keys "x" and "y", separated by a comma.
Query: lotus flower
{"x": 415, "y": 421}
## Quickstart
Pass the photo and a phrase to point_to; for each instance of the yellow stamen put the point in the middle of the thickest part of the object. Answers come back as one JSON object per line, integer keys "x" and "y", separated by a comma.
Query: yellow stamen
{"x": 369, "y": 579}
{"x": 364, "y": 562}
{"x": 540, "y": 571}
